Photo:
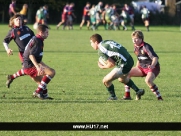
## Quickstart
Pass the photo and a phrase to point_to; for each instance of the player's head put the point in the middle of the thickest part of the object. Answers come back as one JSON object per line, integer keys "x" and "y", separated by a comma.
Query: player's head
{"x": 16, "y": 21}
{"x": 137, "y": 37}
{"x": 95, "y": 39}
{"x": 25, "y": 6}
{"x": 138, "y": 34}
{"x": 100, "y": 3}
{"x": 72, "y": 4}
{"x": 88, "y": 4}
{"x": 43, "y": 31}
{"x": 13, "y": 1}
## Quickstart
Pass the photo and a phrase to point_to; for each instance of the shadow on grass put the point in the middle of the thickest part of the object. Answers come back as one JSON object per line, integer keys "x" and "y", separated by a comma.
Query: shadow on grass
{"x": 37, "y": 101}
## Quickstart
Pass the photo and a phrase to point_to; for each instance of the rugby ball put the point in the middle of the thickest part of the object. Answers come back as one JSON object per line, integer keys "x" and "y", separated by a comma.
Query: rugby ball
{"x": 102, "y": 61}
{"x": 35, "y": 26}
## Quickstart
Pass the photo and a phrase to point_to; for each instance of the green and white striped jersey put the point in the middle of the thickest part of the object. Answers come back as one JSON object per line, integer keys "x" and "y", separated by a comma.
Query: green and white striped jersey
{"x": 114, "y": 50}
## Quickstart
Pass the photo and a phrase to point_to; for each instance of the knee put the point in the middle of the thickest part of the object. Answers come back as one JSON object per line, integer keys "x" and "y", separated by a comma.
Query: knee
{"x": 120, "y": 80}
{"x": 123, "y": 80}
{"x": 148, "y": 81}
{"x": 53, "y": 73}
{"x": 105, "y": 82}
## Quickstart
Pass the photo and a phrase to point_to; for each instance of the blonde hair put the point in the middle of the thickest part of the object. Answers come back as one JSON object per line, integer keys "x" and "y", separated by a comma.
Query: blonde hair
{"x": 138, "y": 34}
{"x": 11, "y": 21}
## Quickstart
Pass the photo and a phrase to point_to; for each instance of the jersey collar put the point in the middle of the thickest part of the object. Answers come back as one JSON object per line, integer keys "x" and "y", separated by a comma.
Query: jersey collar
{"x": 142, "y": 44}
{"x": 99, "y": 44}
{"x": 38, "y": 36}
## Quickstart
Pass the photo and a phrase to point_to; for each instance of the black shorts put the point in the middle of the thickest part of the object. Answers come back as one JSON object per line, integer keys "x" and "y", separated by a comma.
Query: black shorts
{"x": 86, "y": 18}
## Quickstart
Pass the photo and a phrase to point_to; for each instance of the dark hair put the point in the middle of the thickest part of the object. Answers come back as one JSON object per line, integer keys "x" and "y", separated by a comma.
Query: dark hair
{"x": 96, "y": 37}
{"x": 42, "y": 27}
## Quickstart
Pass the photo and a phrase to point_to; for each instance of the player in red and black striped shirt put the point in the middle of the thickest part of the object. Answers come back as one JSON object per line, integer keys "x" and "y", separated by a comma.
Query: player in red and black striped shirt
{"x": 147, "y": 65}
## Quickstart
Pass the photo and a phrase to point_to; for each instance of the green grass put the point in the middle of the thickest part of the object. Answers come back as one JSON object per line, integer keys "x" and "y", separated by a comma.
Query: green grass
{"x": 77, "y": 89}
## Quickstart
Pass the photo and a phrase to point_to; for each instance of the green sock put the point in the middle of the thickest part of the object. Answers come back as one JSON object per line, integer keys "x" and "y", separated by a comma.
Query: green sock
{"x": 111, "y": 90}
{"x": 97, "y": 25}
{"x": 132, "y": 85}
{"x": 107, "y": 26}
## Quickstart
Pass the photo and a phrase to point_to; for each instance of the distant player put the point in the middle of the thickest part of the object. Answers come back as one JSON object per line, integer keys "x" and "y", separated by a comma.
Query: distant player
{"x": 70, "y": 16}
{"x": 99, "y": 12}
{"x": 64, "y": 16}
{"x": 86, "y": 16}
{"x": 125, "y": 19}
{"x": 115, "y": 55}
{"x": 130, "y": 11}
{"x": 147, "y": 65}
{"x": 145, "y": 17}
{"x": 92, "y": 13}
{"x": 12, "y": 7}
{"x": 21, "y": 35}
{"x": 34, "y": 66}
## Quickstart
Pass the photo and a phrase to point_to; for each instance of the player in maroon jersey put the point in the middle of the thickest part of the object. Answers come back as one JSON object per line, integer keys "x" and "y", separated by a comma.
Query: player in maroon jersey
{"x": 34, "y": 66}
{"x": 64, "y": 16}
{"x": 70, "y": 16}
{"x": 147, "y": 65}
{"x": 86, "y": 16}
{"x": 12, "y": 7}
{"x": 130, "y": 11}
{"x": 21, "y": 35}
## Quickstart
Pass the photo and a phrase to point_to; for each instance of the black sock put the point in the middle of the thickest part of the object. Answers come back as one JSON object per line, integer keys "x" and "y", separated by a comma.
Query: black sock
{"x": 111, "y": 90}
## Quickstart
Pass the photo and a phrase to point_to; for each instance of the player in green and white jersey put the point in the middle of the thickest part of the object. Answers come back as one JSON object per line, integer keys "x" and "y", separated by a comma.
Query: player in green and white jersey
{"x": 145, "y": 17}
{"x": 115, "y": 55}
{"x": 92, "y": 13}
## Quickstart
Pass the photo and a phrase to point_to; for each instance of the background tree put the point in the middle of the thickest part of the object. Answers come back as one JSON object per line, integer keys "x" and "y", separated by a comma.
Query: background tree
{"x": 55, "y": 8}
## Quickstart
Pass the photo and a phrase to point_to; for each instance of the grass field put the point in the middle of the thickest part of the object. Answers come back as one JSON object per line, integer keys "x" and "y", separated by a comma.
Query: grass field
{"x": 77, "y": 89}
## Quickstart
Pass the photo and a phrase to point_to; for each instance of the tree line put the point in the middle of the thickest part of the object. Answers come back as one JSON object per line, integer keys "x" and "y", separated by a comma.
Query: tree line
{"x": 55, "y": 8}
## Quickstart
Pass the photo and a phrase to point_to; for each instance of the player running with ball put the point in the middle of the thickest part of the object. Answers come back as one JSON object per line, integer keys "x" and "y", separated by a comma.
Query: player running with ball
{"x": 115, "y": 55}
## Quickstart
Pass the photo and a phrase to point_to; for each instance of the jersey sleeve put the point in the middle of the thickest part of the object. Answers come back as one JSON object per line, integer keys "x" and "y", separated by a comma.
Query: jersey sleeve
{"x": 31, "y": 47}
{"x": 103, "y": 55}
{"x": 9, "y": 36}
{"x": 149, "y": 50}
{"x": 31, "y": 32}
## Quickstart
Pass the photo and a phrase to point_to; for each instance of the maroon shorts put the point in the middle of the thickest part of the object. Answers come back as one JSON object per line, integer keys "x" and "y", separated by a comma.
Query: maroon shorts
{"x": 145, "y": 71}
{"x": 64, "y": 17}
{"x": 31, "y": 71}
{"x": 21, "y": 56}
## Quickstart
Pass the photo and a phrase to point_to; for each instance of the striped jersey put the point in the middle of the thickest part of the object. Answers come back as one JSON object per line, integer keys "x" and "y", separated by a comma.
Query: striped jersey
{"x": 115, "y": 51}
